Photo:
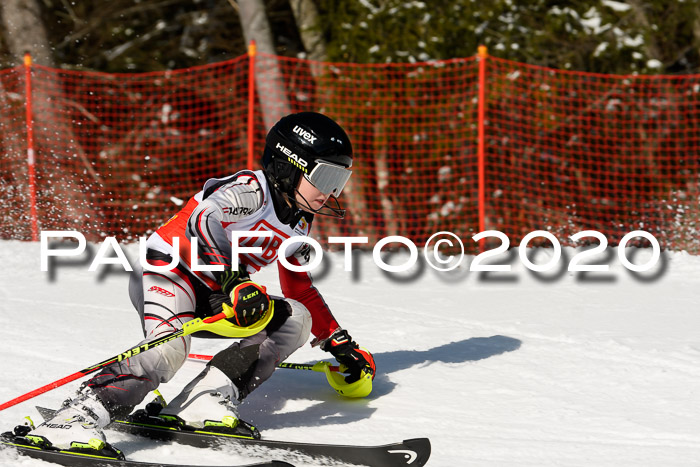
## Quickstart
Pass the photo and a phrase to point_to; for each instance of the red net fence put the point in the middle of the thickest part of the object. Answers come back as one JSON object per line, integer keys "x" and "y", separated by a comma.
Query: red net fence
{"x": 460, "y": 145}
{"x": 568, "y": 152}
{"x": 115, "y": 154}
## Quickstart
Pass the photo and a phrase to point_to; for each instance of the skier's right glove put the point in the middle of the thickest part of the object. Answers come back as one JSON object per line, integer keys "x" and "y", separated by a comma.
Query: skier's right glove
{"x": 348, "y": 353}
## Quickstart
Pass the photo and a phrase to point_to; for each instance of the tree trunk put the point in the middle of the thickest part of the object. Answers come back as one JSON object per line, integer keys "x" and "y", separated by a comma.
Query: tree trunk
{"x": 696, "y": 26}
{"x": 307, "y": 19}
{"x": 640, "y": 17}
{"x": 14, "y": 197}
{"x": 24, "y": 31}
{"x": 271, "y": 88}
{"x": 62, "y": 192}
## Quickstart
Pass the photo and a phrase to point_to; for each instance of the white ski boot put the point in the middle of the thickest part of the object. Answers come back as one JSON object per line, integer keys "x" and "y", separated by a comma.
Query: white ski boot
{"x": 207, "y": 401}
{"x": 77, "y": 426}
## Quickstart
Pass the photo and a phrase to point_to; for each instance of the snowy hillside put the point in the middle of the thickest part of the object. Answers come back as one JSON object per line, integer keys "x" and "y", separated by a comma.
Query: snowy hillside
{"x": 512, "y": 369}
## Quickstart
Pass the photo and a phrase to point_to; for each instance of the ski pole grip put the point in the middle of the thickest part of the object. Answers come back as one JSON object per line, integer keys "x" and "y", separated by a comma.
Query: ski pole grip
{"x": 215, "y": 318}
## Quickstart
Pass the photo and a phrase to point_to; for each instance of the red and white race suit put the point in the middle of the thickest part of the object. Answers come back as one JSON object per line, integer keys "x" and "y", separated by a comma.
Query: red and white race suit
{"x": 242, "y": 202}
{"x": 166, "y": 300}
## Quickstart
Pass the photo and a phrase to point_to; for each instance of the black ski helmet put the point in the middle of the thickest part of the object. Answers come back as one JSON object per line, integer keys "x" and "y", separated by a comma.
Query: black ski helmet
{"x": 296, "y": 143}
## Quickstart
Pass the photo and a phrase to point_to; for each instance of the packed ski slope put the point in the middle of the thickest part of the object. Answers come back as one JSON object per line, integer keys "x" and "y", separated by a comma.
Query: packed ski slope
{"x": 513, "y": 369}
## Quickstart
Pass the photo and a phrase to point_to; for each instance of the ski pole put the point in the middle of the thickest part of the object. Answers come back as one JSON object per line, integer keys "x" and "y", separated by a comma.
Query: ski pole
{"x": 292, "y": 366}
{"x": 360, "y": 388}
{"x": 224, "y": 328}
{"x": 318, "y": 366}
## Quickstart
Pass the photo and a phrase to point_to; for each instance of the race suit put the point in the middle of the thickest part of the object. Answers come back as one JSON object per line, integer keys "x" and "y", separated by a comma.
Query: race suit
{"x": 167, "y": 300}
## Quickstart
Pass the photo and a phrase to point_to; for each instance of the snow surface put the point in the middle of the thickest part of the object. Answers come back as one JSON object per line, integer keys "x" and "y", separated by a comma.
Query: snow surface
{"x": 513, "y": 369}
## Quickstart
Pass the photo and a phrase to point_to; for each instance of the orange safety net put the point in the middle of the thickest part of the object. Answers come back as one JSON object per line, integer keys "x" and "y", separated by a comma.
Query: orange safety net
{"x": 568, "y": 151}
{"x": 117, "y": 154}
{"x": 413, "y": 133}
{"x": 14, "y": 195}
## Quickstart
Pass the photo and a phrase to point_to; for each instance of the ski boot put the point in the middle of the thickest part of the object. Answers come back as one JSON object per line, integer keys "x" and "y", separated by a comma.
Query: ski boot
{"x": 75, "y": 427}
{"x": 207, "y": 404}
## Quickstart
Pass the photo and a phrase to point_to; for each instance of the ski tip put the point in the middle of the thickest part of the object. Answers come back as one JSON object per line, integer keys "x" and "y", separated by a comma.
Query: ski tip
{"x": 44, "y": 412}
{"x": 418, "y": 447}
{"x": 272, "y": 463}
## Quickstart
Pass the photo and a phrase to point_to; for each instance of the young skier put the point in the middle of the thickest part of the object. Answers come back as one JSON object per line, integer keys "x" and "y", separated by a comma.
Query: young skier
{"x": 306, "y": 164}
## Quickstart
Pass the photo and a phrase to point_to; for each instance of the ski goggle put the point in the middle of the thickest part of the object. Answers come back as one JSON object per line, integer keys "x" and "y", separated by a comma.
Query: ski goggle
{"x": 328, "y": 178}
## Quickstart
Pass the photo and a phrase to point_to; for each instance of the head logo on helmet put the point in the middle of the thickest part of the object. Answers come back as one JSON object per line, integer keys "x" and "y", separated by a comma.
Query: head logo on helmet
{"x": 293, "y": 158}
{"x": 307, "y": 144}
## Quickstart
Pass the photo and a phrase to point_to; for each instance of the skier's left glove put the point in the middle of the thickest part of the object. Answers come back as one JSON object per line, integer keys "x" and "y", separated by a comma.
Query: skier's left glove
{"x": 244, "y": 301}
{"x": 348, "y": 353}
{"x": 229, "y": 278}
{"x": 248, "y": 303}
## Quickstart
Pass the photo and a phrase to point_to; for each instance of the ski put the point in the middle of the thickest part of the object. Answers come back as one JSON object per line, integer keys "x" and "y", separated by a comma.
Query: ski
{"x": 74, "y": 459}
{"x": 410, "y": 452}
